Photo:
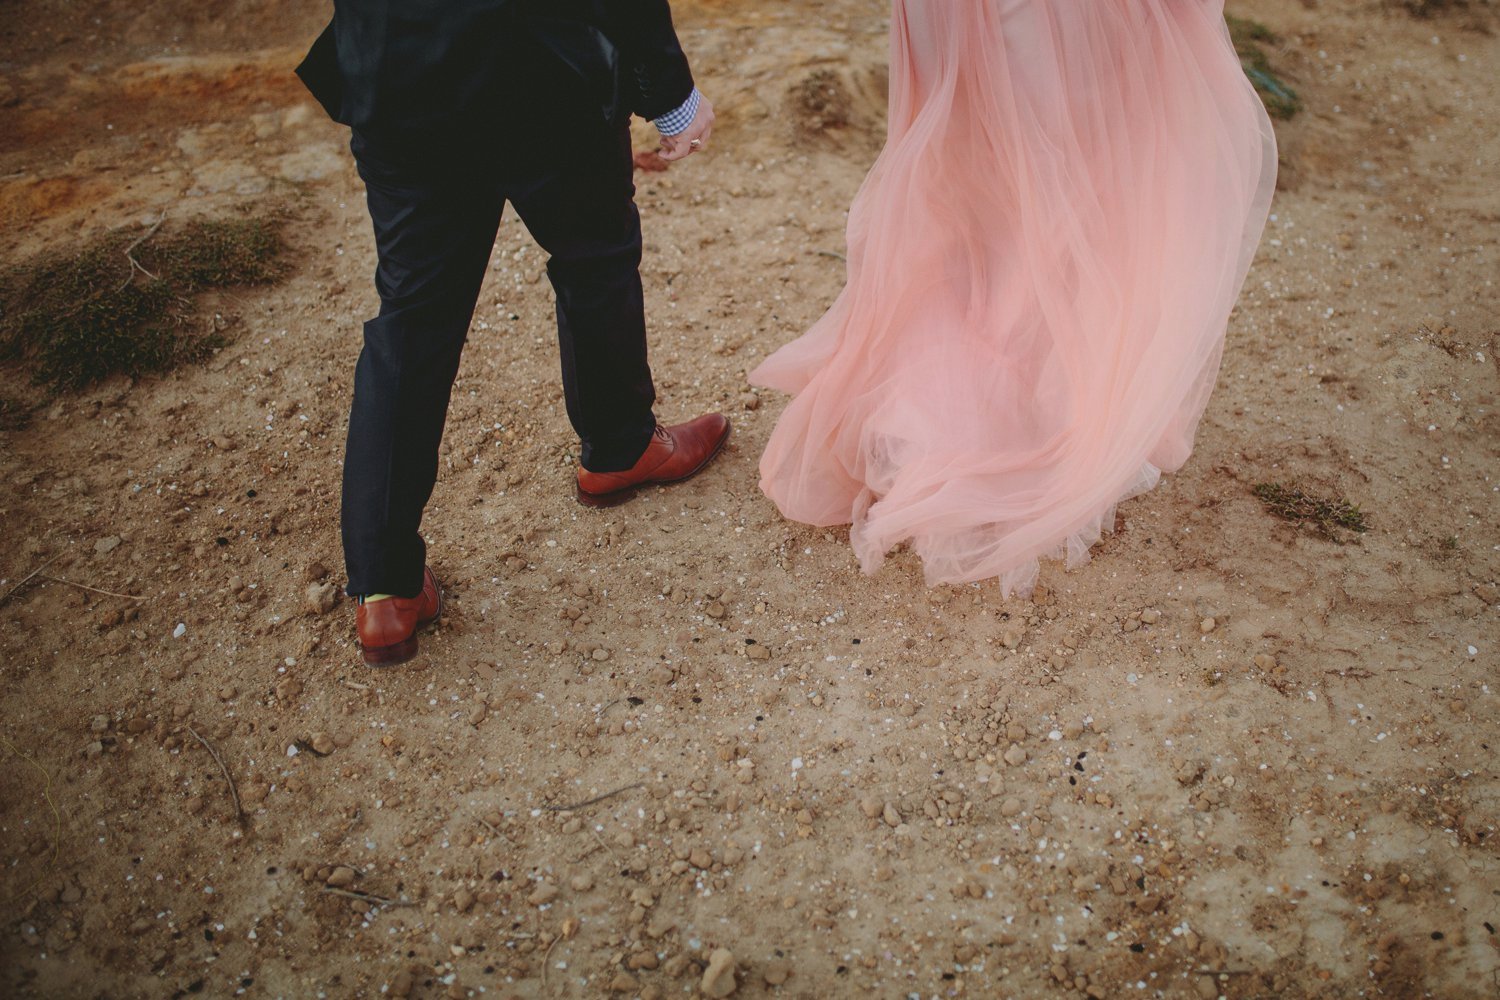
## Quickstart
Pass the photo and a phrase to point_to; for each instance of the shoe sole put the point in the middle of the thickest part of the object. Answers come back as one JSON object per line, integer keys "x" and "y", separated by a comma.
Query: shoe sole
{"x": 599, "y": 501}
{"x": 398, "y": 653}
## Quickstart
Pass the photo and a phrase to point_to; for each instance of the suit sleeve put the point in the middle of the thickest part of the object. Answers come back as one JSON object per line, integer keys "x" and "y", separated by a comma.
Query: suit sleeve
{"x": 658, "y": 74}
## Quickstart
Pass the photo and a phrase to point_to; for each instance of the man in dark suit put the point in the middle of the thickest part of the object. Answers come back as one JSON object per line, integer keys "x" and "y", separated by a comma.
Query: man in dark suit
{"x": 435, "y": 91}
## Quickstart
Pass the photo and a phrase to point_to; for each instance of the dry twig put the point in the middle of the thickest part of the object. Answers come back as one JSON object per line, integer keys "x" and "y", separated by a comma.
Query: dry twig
{"x": 234, "y": 793}
{"x": 56, "y": 821}
{"x": 596, "y": 798}
{"x": 367, "y": 897}
{"x": 29, "y": 577}
{"x": 135, "y": 265}
{"x": 96, "y": 590}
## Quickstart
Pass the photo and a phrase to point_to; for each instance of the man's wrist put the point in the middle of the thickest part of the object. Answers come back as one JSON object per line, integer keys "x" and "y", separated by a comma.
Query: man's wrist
{"x": 676, "y": 122}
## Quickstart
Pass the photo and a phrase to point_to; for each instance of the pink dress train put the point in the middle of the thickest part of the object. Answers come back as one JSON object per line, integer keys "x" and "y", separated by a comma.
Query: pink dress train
{"x": 1041, "y": 267}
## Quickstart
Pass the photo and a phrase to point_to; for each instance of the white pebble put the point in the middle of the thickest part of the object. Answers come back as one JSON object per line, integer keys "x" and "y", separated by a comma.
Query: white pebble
{"x": 181, "y": 630}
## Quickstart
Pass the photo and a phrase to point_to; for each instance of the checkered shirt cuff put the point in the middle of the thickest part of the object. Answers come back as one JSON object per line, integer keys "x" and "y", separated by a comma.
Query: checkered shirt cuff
{"x": 676, "y": 122}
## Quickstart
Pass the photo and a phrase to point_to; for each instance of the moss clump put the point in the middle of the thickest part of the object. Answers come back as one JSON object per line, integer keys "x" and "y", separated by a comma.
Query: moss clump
{"x": 1249, "y": 39}
{"x": 1326, "y": 516}
{"x": 122, "y": 303}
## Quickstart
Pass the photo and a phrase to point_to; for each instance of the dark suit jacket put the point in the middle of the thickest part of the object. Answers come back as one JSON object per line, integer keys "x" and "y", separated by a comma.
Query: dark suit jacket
{"x": 432, "y": 67}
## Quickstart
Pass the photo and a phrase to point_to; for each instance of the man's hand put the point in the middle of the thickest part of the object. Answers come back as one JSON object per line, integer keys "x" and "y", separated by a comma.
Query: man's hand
{"x": 694, "y": 138}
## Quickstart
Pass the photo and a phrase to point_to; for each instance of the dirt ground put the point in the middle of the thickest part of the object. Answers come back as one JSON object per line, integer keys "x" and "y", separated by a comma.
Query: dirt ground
{"x": 1228, "y": 757}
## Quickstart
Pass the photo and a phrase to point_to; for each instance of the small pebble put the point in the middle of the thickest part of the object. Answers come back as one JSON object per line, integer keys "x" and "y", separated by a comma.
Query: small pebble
{"x": 718, "y": 978}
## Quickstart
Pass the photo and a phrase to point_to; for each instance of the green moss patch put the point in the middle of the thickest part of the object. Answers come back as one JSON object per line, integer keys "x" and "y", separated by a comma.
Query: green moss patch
{"x": 1325, "y": 515}
{"x": 1251, "y": 38}
{"x": 123, "y": 302}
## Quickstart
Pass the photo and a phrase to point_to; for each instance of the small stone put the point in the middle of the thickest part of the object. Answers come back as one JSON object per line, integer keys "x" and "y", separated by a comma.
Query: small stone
{"x": 601, "y": 654}
{"x": 624, "y": 982}
{"x": 871, "y": 807}
{"x": 105, "y": 545}
{"x": 543, "y": 894}
{"x": 718, "y": 978}
{"x": 700, "y": 859}
{"x": 322, "y": 743}
{"x": 463, "y": 900}
{"x": 777, "y": 973}
{"x": 749, "y": 400}
{"x": 1207, "y": 625}
{"x": 314, "y": 572}
{"x": 1150, "y": 616}
{"x": 320, "y": 598}
{"x": 715, "y": 610}
{"x": 477, "y": 714}
{"x": 1265, "y": 661}
{"x": 641, "y": 960}
{"x": 891, "y": 816}
{"x": 1010, "y": 807}
{"x": 581, "y": 883}
{"x": 1016, "y": 755}
{"x": 1073, "y": 730}
{"x": 341, "y": 877}
{"x": 99, "y": 724}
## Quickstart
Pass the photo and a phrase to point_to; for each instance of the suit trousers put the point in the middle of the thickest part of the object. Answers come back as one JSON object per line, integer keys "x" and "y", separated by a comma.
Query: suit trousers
{"x": 436, "y": 209}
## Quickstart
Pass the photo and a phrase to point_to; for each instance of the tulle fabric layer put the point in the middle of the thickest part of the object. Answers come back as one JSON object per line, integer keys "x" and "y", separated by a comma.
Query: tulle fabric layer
{"x": 1041, "y": 268}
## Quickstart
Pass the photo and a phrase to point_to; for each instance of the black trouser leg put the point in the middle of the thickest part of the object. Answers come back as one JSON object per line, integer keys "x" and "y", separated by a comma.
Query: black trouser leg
{"x": 583, "y": 214}
{"x": 433, "y": 235}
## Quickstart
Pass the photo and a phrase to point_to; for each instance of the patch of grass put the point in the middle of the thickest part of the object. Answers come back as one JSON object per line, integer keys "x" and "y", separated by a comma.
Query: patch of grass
{"x": 1249, "y": 38}
{"x": 13, "y": 416}
{"x": 122, "y": 303}
{"x": 1292, "y": 503}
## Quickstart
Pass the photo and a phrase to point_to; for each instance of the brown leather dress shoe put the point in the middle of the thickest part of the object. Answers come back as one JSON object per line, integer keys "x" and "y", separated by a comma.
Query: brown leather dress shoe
{"x": 388, "y": 628}
{"x": 674, "y": 454}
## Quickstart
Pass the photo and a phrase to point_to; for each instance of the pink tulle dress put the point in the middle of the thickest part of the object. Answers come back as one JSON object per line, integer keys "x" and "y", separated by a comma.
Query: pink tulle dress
{"x": 1041, "y": 268}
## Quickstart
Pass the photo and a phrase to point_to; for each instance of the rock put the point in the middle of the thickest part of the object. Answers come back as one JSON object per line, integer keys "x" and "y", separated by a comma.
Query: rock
{"x": 1016, "y": 755}
{"x": 543, "y": 894}
{"x": 1207, "y": 625}
{"x": 463, "y": 900}
{"x": 105, "y": 545}
{"x": 718, "y": 978}
{"x": 99, "y": 724}
{"x": 777, "y": 973}
{"x": 715, "y": 610}
{"x": 624, "y": 982}
{"x": 700, "y": 858}
{"x": 1073, "y": 730}
{"x": 641, "y": 960}
{"x": 320, "y": 598}
{"x": 581, "y": 883}
{"x": 870, "y": 807}
{"x": 1150, "y": 616}
{"x": 1010, "y": 807}
{"x": 314, "y": 572}
{"x": 322, "y": 743}
{"x": 341, "y": 877}
{"x": 890, "y": 814}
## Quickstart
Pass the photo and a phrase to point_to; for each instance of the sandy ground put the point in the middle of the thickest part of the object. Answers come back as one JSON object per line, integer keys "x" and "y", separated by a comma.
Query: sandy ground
{"x": 1227, "y": 757}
